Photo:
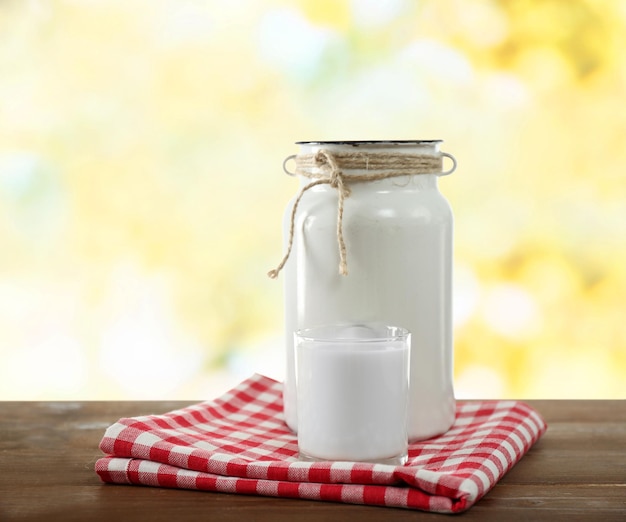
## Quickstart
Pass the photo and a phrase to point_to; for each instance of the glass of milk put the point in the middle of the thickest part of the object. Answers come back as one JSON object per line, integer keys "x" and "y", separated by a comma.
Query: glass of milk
{"x": 352, "y": 393}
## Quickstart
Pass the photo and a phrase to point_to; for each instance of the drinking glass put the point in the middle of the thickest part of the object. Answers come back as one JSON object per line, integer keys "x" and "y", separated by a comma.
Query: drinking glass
{"x": 352, "y": 392}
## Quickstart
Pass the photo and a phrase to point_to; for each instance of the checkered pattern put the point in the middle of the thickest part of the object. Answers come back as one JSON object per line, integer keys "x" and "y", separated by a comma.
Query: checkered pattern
{"x": 239, "y": 443}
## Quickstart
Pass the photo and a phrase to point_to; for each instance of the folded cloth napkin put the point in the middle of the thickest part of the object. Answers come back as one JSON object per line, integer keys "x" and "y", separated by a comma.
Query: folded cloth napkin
{"x": 239, "y": 443}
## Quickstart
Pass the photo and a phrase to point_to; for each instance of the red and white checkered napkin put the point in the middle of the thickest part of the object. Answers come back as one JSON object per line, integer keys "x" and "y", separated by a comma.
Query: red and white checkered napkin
{"x": 239, "y": 443}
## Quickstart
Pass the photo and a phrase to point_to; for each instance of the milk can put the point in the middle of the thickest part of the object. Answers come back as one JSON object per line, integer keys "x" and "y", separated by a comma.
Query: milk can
{"x": 369, "y": 239}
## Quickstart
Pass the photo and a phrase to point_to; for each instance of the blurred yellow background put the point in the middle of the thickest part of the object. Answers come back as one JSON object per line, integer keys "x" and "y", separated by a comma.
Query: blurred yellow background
{"x": 141, "y": 189}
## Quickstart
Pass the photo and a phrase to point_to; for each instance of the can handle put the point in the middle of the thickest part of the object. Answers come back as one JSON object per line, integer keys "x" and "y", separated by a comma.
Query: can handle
{"x": 451, "y": 170}
{"x": 288, "y": 172}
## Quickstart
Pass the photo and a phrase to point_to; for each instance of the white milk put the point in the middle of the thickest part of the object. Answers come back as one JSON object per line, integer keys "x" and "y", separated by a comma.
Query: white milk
{"x": 352, "y": 400}
{"x": 398, "y": 236}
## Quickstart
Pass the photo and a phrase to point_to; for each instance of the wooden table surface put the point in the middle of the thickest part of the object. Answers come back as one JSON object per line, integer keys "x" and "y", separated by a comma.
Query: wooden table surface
{"x": 577, "y": 471}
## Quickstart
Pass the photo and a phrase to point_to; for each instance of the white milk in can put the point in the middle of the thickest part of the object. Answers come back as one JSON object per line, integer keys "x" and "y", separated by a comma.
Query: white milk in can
{"x": 369, "y": 239}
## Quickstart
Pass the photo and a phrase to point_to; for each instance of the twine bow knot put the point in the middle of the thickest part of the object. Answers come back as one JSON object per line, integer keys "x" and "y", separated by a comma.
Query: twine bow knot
{"x": 335, "y": 175}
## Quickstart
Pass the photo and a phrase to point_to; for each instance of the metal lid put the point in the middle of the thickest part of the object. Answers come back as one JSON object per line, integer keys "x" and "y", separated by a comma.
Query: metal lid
{"x": 371, "y": 142}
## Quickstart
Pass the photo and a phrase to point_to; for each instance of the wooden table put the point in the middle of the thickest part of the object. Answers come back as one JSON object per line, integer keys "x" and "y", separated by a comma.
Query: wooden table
{"x": 577, "y": 471}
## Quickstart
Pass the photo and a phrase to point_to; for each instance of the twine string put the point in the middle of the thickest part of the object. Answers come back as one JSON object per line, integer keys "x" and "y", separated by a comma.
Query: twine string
{"x": 326, "y": 168}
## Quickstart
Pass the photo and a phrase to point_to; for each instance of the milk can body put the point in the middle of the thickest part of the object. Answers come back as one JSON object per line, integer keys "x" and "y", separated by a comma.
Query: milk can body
{"x": 398, "y": 240}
